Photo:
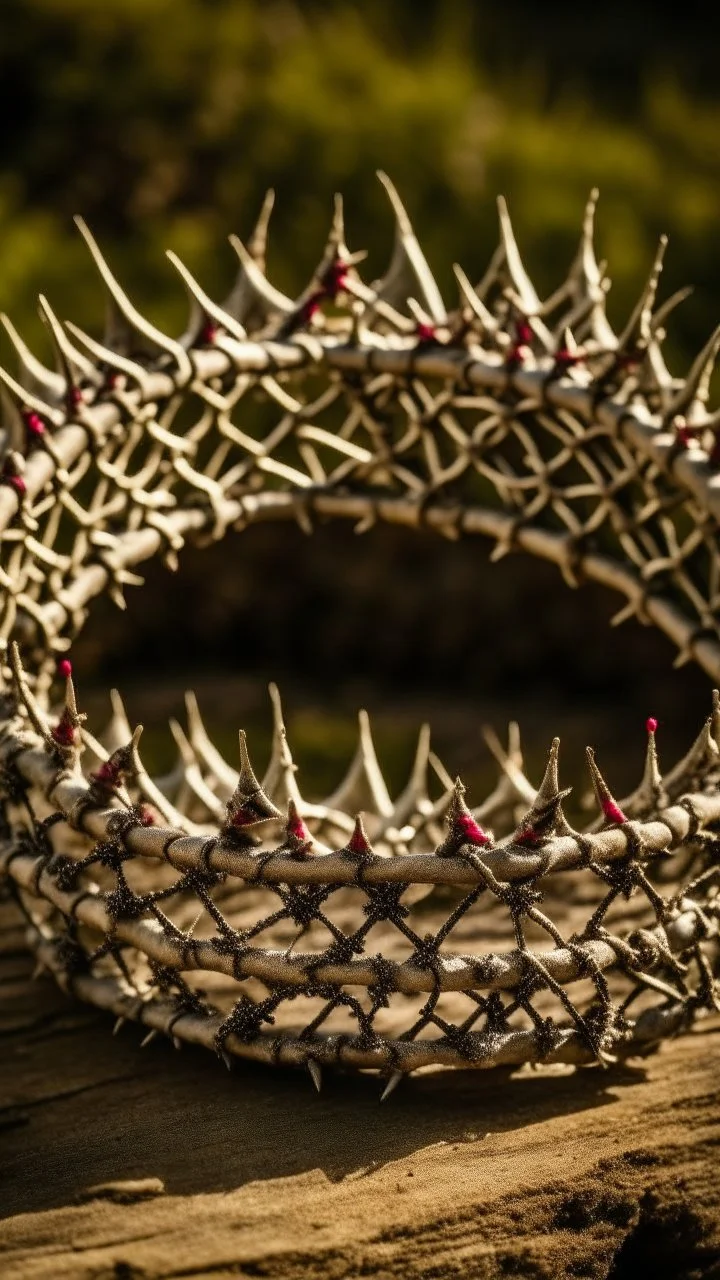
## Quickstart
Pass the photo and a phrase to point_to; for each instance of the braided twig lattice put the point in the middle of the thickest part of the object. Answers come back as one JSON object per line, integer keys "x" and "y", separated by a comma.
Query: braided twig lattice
{"x": 531, "y": 423}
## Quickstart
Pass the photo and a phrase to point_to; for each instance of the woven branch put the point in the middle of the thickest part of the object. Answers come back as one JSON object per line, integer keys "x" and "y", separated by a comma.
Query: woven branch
{"x": 322, "y": 937}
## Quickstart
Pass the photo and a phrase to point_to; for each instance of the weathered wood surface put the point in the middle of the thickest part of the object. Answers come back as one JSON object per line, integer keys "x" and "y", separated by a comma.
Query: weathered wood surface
{"x": 128, "y": 1164}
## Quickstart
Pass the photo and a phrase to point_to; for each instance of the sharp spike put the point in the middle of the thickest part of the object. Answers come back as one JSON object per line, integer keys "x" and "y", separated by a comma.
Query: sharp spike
{"x": 511, "y": 763}
{"x": 461, "y": 826}
{"x": 413, "y": 800}
{"x": 127, "y": 329}
{"x": 586, "y": 268}
{"x": 119, "y": 1024}
{"x": 487, "y": 323}
{"x": 695, "y": 390}
{"x": 315, "y": 1073}
{"x": 703, "y": 756}
{"x": 124, "y": 763}
{"x": 106, "y": 356}
{"x": 392, "y": 1084}
{"x": 408, "y": 272}
{"x": 25, "y": 694}
{"x": 148, "y": 1039}
{"x": 638, "y": 329}
{"x": 526, "y": 296}
{"x": 612, "y": 813}
{"x": 66, "y": 733}
{"x": 119, "y": 730}
{"x": 73, "y": 365}
{"x": 248, "y": 804}
{"x": 224, "y": 778}
{"x": 279, "y": 780}
{"x": 664, "y": 311}
{"x": 257, "y": 244}
{"x": 253, "y": 291}
{"x": 204, "y": 312}
{"x": 650, "y": 795}
{"x": 363, "y": 786}
{"x": 358, "y": 844}
{"x": 24, "y": 400}
{"x": 546, "y": 817}
{"x": 298, "y": 836}
{"x": 34, "y": 377}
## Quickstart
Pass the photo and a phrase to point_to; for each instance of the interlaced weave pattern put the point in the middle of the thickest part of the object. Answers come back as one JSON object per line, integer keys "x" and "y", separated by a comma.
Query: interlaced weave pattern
{"x": 332, "y": 941}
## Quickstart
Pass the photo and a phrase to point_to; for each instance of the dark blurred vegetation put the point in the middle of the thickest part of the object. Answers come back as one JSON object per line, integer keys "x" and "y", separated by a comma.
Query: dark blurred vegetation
{"x": 163, "y": 121}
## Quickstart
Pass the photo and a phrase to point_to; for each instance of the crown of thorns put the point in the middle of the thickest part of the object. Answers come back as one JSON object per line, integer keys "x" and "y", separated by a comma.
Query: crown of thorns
{"x": 217, "y": 909}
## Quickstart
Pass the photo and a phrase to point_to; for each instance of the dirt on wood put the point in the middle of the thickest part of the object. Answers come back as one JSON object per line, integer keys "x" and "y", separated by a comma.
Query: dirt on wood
{"x": 125, "y": 1164}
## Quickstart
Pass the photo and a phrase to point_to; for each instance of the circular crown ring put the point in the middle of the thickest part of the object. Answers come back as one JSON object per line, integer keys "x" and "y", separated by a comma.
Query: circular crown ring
{"x": 217, "y": 909}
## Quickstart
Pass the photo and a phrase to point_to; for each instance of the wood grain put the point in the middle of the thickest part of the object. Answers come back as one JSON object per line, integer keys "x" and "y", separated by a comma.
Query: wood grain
{"x": 132, "y": 1164}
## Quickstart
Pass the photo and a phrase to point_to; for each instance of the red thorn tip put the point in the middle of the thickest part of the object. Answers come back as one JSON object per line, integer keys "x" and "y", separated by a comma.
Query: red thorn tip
{"x": 529, "y": 837}
{"x": 426, "y": 332}
{"x": 336, "y": 278}
{"x": 358, "y": 842}
{"x": 208, "y": 333}
{"x": 296, "y": 828}
{"x": 107, "y": 773}
{"x": 64, "y": 731}
{"x": 243, "y": 817}
{"x": 75, "y": 397}
{"x": 684, "y": 433}
{"x": 564, "y": 359}
{"x": 34, "y": 424}
{"x": 524, "y": 333}
{"x": 311, "y": 308}
{"x": 18, "y": 484}
{"x": 467, "y": 827}
{"x": 613, "y": 812}
{"x": 517, "y": 354}
{"x": 147, "y": 817}
{"x": 651, "y": 724}
{"x": 64, "y": 668}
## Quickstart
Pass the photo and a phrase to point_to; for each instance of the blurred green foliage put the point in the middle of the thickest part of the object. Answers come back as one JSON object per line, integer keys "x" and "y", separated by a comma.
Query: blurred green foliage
{"x": 163, "y": 121}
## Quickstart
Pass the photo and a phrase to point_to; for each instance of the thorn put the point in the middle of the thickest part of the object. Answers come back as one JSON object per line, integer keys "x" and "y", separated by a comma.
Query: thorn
{"x": 206, "y": 315}
{"x": 315, "y": 1072}
{"x": 177, "y": 1042}
{"x": 696, "y": 388}
{"x": 612, "y": 813}
{"x": 296, "y": 831}
{"x": 358, "y": 842}
{"x": 226, "y": 1059}
{"x": 527, "y": 296}
{"x": 34, "y": 377}
{"x": 39, "y": 969}
{"x": 120, "y": 1022}
{"x": 123, "y": 317}
{"x": 546, "y": 817}
{"x": 637, "y": 332}
{"x": 248, "y": 804}
{"x": 462, "y": 827}
{"x": 391, "y": 1085}
{"x": 408, "y": 272}
{"x": 151, "y": 1035}
{"x": 257, "y": 244}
